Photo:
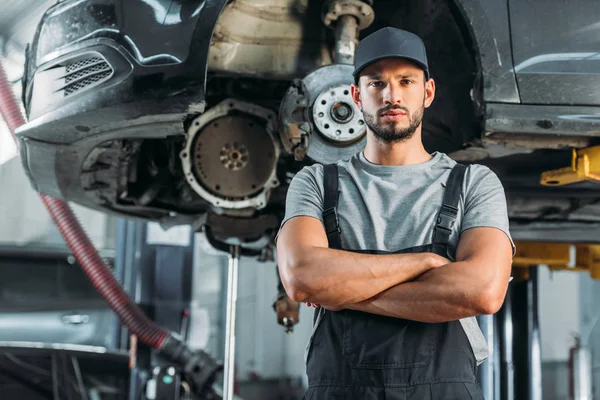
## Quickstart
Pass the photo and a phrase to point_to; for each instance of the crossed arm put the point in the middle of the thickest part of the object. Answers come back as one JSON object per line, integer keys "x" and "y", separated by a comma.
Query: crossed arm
{"x": 422, "y": 287}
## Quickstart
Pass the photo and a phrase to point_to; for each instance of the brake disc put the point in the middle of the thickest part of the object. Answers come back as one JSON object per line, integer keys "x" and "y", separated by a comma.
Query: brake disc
{"x": 329, "y": 118}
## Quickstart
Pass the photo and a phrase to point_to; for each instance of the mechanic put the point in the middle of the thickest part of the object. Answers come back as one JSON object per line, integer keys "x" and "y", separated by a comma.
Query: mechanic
{"x": 399, "y": 249}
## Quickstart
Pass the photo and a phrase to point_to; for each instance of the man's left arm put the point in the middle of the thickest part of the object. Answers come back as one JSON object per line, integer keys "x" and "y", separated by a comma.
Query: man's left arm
{"x": 473, "y": 285}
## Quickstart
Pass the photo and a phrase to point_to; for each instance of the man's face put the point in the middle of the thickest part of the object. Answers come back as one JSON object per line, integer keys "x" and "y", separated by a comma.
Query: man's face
{"x": 393, "y": 94}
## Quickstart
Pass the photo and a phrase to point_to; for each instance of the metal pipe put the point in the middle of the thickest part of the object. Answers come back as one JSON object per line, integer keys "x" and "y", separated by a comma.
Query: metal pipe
{"x": 346, "y": 39}
{"x": 487, "y": 369}
{"x": 505, "y": 337}
{"x": 232, "y": 283}
{"x": 521, "y": 346}
{"x": 535, "y": 341}
{"x": 582, "y": 373}
{"x": 496, "y": 363}
{"x": 528, "y": 364}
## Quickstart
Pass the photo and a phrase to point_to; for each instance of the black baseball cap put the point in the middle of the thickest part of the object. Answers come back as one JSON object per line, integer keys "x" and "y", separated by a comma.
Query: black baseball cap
{"x": 390, "y": 43}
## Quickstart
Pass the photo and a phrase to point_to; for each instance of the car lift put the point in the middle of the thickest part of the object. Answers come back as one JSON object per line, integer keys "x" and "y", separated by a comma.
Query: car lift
{"x": 585, "y": 165}
{"x": 514, "y": 367}
{"x": 515, "y": 332}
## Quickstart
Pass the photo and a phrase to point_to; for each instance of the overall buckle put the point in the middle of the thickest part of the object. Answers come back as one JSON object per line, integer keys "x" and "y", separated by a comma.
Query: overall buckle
{"x": 447, "y": 217}
{"x": 331, "y": 221}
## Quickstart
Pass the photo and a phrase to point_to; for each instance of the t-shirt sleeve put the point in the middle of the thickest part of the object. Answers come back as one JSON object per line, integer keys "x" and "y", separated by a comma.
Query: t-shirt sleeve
{"x": 485, "y": 201}
{"x": 305, "y": 195}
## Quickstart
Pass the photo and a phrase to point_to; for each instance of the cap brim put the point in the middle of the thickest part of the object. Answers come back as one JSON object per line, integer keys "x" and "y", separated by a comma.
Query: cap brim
{"x": 359, "y": 69}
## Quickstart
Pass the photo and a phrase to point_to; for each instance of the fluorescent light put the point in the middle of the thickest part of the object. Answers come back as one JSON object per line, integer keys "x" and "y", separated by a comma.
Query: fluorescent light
{"x": 8, "y": 148}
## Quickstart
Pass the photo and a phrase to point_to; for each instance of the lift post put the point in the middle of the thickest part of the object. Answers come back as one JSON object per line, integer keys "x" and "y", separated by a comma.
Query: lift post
{"x": 232, "y": 284}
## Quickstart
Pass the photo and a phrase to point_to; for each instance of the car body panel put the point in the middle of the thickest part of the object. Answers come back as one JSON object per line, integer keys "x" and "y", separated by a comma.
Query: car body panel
{"x": 47, "y": 298}
{"x": 50, "y": 326}
{"x": 488, "y": 23}
{"x": 556, "y": 51}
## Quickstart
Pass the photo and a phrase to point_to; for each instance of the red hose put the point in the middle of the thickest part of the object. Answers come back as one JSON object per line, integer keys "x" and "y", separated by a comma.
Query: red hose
{"x": 81, "y": 246}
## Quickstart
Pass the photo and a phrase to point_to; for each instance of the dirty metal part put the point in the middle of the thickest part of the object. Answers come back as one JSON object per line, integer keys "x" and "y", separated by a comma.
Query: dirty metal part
{"x": 100, "y": 172}
{"x": 506, "y": 144}
{"x": 585, "y": 165}
{"x": 334, "y": 9}
{"x": 302, "y": 148}
{"x": 268, "y": 39}
{"x": 576, "y": 232}
{"x": 294, "y": 125}
{"x": 541, "y": 207}
{"x": 524, "y": 143}
{"x": 230, "y": 155}
{"x": 240, "y": 230}
{"x": 501, "y": 144}
{"x": 287, "y": 312}
{"x": 470, "y": 154}
{"x": 511, "y": 120}
{"x": 559, "y": 256}
{"x": 299, "y": 131}
{"x": 347, "y": 17}
{"x": 346, "y": 39}
{"x": 335, "y": 115}
{"x": 320, "y": 148}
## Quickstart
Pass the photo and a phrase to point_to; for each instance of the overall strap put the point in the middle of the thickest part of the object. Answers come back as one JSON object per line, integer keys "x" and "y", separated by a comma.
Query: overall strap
{"x": 449, "y": 210}
{"x": 330, "y": 202}
{"x": 330, "y": 215}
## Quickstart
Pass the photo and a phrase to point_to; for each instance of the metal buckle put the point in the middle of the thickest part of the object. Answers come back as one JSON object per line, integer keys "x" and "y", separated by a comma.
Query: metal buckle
{"x": 446, "y": 220}
{"x": 331, "y": 221}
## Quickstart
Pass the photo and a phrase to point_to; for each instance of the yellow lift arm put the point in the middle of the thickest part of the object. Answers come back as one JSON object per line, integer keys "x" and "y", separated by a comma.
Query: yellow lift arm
{"x": 585, "y": 165}
{"x": 558, "y": 257}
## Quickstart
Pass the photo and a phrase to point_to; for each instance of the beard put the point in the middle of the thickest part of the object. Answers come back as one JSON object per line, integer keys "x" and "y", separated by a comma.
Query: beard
{"x": 387, "y": 132}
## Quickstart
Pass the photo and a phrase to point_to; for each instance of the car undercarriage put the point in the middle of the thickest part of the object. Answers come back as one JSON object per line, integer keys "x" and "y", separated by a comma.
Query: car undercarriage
{"x": 208, "y": 125}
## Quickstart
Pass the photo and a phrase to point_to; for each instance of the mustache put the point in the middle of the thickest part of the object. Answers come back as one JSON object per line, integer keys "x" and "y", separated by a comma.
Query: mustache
{"x": 390, "y": 108}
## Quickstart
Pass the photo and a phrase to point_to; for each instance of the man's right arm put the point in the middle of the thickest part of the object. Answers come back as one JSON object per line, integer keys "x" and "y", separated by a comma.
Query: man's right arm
{"x": 312, "y": 272}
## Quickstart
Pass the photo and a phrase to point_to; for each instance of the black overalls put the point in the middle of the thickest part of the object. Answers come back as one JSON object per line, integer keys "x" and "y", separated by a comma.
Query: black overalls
{"x": 357, "y": 355}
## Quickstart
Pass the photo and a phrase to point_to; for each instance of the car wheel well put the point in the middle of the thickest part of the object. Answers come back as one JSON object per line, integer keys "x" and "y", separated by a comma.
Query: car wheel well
{"x": 455, "y": 117}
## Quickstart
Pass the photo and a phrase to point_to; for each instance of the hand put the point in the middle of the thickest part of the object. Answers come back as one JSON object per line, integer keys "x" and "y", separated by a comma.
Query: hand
{"x": 438, "y": 261}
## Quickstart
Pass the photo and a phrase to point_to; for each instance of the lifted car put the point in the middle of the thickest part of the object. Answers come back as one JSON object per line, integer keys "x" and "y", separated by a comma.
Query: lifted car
{"x": 202, "y": 111}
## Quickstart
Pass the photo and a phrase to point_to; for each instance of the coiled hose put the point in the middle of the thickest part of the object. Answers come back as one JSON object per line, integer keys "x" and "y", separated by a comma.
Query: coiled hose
{"x": 199, "y": 367}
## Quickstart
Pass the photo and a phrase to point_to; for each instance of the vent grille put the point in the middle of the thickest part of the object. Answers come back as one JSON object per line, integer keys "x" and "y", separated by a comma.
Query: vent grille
{"x": 85, "y": 73}
{"x": 83, "y": 63}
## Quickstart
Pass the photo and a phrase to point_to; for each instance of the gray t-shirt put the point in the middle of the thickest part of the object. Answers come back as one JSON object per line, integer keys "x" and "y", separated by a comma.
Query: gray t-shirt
{"x": 391, "y": 208}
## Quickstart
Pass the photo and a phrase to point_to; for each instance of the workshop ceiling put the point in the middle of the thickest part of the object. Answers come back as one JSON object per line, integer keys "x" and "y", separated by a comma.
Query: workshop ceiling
{"x": 18, "y": 20}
